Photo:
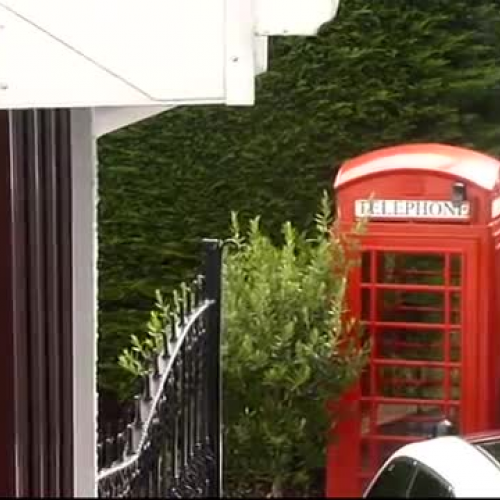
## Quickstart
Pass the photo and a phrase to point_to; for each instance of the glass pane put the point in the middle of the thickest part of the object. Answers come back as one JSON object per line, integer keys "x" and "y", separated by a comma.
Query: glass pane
{"x": 366, "y": 463}
{"x": 408, "y": 419}
{"x": 411, "y": 382}
{"x": 365, "y": 303}
{"x": 387, "y": 267}
{"x": 418, "y": 268}
{"x": 417, "y": 382}
{"x": 366, "y": 267}
{"x": 409, "y": 343}
{"x": 426, "y": 485}
{"x": 455, "y": 270}
{"x": 456, "y": 308}
{"x": 492, "y": 447}
{"x": 403, "y": 306}
{"x": 455, "y": 344}
{"x": 394, "y": 480}
{"x": 364, "y": 332}
{"x": 366, "y": 382}
{"x": 455, "y": 384}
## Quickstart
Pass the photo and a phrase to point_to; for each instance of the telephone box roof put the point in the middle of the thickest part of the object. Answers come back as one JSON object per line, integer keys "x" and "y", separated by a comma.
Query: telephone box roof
{"x": 462, "y": 163}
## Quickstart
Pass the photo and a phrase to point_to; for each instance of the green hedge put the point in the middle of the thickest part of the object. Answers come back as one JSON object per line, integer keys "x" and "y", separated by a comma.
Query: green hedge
{"x": 383, "y": 73}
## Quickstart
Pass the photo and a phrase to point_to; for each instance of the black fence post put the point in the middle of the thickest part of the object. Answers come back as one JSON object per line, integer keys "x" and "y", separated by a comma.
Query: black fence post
{"x": 213, "y": 291}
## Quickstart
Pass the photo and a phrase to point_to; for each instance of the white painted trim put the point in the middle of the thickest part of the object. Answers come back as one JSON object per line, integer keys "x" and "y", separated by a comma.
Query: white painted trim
{"x": 84, "y": 187}
{"x": 108, "y": 119}
{"x": 293, "y": 17}
{"x": 239, "y": 56}
{"x": 261, "y": 54}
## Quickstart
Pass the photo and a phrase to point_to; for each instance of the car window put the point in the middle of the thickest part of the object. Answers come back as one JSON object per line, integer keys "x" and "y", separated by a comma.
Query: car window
{"x": 492, "y": 449}
{"x": 429, "y": 485}
{"x": 394, "y": 480}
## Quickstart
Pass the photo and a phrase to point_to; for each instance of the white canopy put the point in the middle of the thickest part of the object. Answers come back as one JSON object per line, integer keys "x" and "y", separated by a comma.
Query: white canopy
{"x": 161, "y": 53}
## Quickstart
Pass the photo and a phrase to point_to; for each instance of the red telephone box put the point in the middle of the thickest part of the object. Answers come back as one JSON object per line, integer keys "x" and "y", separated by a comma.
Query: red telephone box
{"x": 428, "y": 295}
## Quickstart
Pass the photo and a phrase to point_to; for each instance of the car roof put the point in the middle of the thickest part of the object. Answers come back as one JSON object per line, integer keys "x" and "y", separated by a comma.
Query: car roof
{"x": 469, "y": 471}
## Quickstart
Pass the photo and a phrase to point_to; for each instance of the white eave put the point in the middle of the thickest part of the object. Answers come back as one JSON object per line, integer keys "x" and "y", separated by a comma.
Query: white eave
{"x": 145, "y": 54}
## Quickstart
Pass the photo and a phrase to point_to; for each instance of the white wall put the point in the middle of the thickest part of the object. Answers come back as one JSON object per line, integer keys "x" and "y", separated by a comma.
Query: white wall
{"x": 84, "y": 302}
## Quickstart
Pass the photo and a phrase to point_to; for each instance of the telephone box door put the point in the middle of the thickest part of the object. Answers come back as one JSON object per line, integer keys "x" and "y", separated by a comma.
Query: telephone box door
{"x": 413, "y": 304}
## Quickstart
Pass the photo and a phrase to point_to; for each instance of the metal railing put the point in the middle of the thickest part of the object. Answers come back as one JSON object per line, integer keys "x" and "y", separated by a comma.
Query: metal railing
{"x": 172, "y": 445}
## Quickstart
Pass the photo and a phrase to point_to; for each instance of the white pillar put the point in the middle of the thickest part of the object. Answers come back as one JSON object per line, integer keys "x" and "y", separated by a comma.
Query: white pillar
{"x": 84, "y": 183}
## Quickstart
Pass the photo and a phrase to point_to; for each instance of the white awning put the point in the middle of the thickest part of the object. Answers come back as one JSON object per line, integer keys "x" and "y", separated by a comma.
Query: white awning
{"x": 158, "y": 53}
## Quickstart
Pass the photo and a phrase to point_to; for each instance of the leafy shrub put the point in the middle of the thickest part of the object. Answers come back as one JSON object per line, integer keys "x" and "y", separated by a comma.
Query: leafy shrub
{"x": 136, "y": 360}
{"x": 288, "y": 350}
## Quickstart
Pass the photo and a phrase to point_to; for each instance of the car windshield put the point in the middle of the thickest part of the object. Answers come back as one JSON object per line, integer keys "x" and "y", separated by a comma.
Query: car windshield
{"x": 492, "y": 449}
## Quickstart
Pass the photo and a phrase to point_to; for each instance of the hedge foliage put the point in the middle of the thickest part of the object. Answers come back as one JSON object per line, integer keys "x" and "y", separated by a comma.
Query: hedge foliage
{"x": 382, "y": 73}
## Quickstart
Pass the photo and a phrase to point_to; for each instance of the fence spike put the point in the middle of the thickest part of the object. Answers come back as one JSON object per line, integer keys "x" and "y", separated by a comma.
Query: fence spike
{"x": 189, "y": 300}
{"x": 137, "y": 413}
{"x": 155, "y": 423}
{"x": 198, "y": 288}
{"x": 166, "y": 344}
{"x": 156, "y": 367}
{"x": 147, "y": 388}
{"x": 109, "y": 432}
{"x": 162, "y": 405}
{"x": 109, "y": 456}
{"x": 173, "y": 328}
{"x": 120, "y": 444}
{"x": 156, "y": 428}
{"x": 130, "y": 413}
{"x": 100, "y": 455}
{"x": 130, "y": 439}
{"x": 182, "y": 312}
{"x": 201, "y": 286}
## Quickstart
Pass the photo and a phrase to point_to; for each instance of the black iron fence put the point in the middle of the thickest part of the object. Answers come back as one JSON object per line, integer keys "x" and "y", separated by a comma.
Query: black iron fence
{"x": 171, "y": 445}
